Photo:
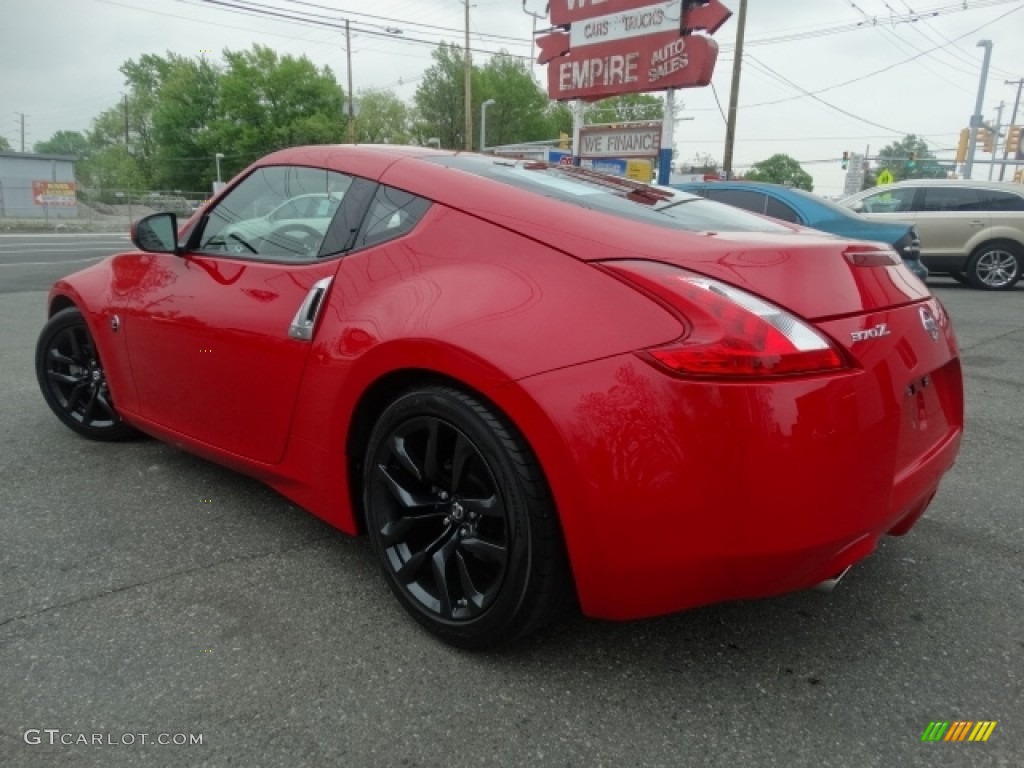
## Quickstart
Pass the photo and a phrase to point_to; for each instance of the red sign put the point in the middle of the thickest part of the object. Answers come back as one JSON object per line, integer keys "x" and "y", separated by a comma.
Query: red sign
{"x": 710, "y": 16}
{"x": 53, "y": 193}
{"x": 651, "y": 63}
{"x": 629, "y": 46}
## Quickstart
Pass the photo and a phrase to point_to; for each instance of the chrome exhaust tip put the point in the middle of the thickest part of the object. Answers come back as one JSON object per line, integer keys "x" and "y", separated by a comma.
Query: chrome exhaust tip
{"x": 829, "y": 584}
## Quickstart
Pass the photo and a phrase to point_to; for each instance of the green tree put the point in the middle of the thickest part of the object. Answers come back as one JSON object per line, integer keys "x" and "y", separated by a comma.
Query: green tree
{"x": 781, "y": 169}
{"x": 4, "y": 146}
{"x": 908, "y": 158}
{"x": 64, "y": 143}
{"x": 186, "y": 110}
{"x": 112, "y": 169}
{"x": 383, "y": 118}
{"x": 441, "y": 96}
{"x": 269, "y": 102}
{"x": 520, "y": 112}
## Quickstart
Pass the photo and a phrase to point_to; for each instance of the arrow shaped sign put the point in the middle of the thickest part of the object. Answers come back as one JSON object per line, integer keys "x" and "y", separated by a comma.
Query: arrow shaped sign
{"x": 709, "y": 17}
{"x": 552, "y": 46}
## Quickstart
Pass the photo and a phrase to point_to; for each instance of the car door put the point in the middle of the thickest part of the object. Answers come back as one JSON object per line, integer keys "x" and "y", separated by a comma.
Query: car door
{"x": 218, "y": 338}
{"x": 947, "y": 218}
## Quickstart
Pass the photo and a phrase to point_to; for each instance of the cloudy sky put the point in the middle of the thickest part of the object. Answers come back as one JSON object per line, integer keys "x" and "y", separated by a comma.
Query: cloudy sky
{"x": 819, "y": 76}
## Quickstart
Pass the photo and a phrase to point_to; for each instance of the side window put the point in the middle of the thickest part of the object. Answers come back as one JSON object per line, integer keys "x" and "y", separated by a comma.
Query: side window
{"x": 392, "y": 214}
{"x": 890, "y": 201}
{"x": 740, "y": 198}
{"x": 950, "y": 199}
{"x": 992, "y": 200}
{"x": 277, "y": 213}
{"x": 780, "y": 210}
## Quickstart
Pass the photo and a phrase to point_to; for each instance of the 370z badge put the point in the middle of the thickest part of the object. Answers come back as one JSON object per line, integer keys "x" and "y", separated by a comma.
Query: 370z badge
{"x": 876, "y": 332}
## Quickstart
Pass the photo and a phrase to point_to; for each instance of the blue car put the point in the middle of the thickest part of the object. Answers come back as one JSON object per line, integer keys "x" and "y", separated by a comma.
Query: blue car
{"x": 799, "y": 207}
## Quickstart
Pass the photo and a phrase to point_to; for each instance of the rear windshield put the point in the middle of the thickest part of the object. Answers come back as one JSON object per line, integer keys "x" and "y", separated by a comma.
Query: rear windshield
{"x": 614, "y": 195}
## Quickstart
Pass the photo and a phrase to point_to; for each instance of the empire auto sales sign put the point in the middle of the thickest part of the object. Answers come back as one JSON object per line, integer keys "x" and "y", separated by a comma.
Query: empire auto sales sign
{"x": 610, "y": 47}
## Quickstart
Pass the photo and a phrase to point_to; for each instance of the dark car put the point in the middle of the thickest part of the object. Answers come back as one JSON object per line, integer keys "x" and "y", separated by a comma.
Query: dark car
{"x": 800, "y": 207}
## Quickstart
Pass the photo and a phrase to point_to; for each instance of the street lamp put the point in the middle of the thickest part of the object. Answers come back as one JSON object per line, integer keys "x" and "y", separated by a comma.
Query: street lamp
{"x": 218, "y": 157}
{"x": 483, "y": 123}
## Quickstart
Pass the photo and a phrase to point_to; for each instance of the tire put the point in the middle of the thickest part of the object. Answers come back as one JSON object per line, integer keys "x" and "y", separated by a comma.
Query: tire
{"x": 72, "y": 381}
{"x": 461, "y": 520}
{"x": 995, "y": 266}
{"x": 959, "y": 277}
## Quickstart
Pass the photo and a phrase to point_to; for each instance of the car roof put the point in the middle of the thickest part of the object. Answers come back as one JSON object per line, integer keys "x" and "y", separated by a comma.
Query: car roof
{"x": 1005, "y": 186}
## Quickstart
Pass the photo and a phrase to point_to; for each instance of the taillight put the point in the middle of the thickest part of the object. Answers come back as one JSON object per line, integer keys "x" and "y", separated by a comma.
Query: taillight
{"x": 731, "y": 333}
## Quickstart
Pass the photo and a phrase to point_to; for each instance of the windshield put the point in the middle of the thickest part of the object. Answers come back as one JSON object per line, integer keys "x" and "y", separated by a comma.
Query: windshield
{"x": 614, "y": 195}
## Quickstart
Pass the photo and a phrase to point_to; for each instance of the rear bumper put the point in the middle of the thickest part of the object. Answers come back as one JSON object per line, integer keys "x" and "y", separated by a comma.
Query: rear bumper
{"x": 680, "y": 493}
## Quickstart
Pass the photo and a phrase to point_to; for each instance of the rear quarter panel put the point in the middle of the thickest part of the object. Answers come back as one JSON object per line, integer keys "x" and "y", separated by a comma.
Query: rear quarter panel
{"x": 469, "y": 301}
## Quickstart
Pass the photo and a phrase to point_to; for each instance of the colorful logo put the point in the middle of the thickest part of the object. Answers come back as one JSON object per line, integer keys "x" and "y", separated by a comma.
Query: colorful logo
{"x": 958, "y": 730}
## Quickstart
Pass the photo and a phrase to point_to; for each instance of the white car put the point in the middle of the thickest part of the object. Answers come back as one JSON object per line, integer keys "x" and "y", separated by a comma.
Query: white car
{"x": 294, "y": 228}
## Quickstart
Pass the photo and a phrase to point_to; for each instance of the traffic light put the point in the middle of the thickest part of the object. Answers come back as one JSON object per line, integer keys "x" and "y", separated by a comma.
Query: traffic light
{"x": 563, "y": 140}
{"x": 961, "y": 147}
{"x": 1013, "y": 147}
{"x": 987, "y": 139}
{"x": 846, "y": 160}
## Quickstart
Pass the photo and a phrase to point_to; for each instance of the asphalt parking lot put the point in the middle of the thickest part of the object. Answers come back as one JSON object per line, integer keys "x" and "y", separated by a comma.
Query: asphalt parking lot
{"x": 145, "y": 591}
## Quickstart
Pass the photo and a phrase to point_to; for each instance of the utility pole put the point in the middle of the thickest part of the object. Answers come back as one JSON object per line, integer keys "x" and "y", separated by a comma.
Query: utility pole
{"x": 1013, "y": 121}
{"x": 22, "y": 115}
{"x": 730, "y": 128}
{"x": 976, "y": 118}
{"x": 995, "y": 138}
{"x": 469, "y": 87}
{"x": 351, "y": 96}
{"x": 533, "y": 37}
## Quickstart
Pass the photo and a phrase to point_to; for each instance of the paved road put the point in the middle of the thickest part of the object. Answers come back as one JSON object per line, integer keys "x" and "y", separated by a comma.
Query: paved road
{"x": 34, "y": 262}
{"x": 146, "y": 591}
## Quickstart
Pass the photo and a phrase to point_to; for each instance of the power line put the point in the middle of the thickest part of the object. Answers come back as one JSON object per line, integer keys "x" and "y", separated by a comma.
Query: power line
{"x": 254, "y": 9}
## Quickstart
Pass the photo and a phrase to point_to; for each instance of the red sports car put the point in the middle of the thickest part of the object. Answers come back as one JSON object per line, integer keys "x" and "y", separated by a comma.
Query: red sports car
{"x": 531, "y": 385}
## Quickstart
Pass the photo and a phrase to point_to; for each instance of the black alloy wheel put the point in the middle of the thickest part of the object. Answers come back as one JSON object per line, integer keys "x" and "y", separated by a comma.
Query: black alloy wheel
{"x": 461, "y": 520}
{"x": 72, "y": 380}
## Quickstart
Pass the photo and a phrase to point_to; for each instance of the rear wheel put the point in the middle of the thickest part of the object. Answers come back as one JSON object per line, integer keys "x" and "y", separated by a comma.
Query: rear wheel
{"x": 461, "y": 520}
{"x": 72, "y": 380}
{"x": 995, "y": 266}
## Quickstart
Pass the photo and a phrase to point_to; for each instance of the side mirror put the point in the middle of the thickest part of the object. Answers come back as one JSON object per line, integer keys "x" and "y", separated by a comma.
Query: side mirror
{"x": 156, "y": 233}
{"x": 858, "y": 207}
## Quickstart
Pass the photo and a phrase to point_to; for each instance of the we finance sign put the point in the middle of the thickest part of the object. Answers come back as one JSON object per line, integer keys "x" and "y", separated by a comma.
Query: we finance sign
{"x": 633, "y": 140}
{"x": 629, "y": 46}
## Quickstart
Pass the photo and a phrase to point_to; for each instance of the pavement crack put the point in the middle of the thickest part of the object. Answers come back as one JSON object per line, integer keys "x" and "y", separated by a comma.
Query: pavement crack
{"x": 983, "y": 342}
{"x": 163, "y": 577}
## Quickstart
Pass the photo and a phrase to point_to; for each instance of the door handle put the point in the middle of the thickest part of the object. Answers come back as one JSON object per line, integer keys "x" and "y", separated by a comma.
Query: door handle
{"x": 305, "y": 319}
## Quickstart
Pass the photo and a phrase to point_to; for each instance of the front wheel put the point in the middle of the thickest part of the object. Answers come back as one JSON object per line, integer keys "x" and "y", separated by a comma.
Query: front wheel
{"x": 461, "y": 520}
{"x": 995, "y": 266}
{"x": 72, "y": 380}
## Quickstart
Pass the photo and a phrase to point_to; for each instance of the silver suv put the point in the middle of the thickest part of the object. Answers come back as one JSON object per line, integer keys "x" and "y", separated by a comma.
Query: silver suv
{"x": 970, "y": 230}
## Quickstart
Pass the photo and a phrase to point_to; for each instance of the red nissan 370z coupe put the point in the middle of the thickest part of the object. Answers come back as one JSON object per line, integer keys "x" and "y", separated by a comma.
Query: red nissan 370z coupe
{"x": 532, "y": 386}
